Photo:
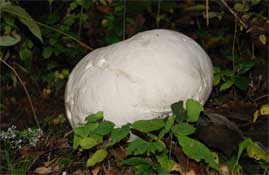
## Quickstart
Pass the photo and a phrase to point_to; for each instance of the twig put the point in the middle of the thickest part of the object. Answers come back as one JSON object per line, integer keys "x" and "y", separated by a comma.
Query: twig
{"x": 206, "y": 12}
{"x": 234, "y": 38}
{"x": 124, "y": 20}
{"x": 26, "y": 91}
{"x": 261, "y": 97}
{"x": 234, "y": 14}
{"x": 53, "y": 29}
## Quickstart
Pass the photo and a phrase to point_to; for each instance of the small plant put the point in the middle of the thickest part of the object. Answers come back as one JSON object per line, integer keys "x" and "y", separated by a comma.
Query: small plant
{"x": 100, "y": 135}
{"x": 11, "y": 141}
{"x": 226, "y": 78}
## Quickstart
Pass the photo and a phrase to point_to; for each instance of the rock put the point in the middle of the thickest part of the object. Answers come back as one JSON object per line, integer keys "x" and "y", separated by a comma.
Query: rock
{"x": 138, "y": 78}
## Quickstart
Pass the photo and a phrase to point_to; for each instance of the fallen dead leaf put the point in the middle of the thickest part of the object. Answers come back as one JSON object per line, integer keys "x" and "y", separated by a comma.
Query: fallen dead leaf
{"x": 43, "y": 170}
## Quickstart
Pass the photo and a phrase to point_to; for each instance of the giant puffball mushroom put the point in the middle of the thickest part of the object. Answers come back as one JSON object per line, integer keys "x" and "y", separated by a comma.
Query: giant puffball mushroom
{"x": 139, "y": 78}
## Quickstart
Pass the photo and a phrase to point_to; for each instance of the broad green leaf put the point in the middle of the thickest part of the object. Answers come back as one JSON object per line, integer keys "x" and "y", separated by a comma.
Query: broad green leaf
{"x": 197, "y": 151}
{"x": 9, "y": 40}
{"x": 183, "y": 129}
{"x": 242, "y": 146}
{"x": 25, "y": 18}
{"x": 228, "y": 72}
{"x": 137, "y": 147}
{"x": 134, "y": 161}
{"x": 193, "y": 110}
{"x": 256, "y": 152}
{"x": 47, "y": 52}
{"x": 97, "y": 157}
{"x": 245, "y": 66}
{"x": 76, "y": 141}
{"x": 168, "y": 125}
{"x": 95, "y": 117}
{"x": 253, "y": 150}
{"x": 85, "y": 130}
{"x": 148, "y": 125}
{"x": 226, "y": 85}
{"x": 165, "y": 162}
{"x": 104, "y": 128}
{"x": 179, "y": 111}
{"x": 140, "y": 147}
{"x": 88, "y": 142}
{"x": 119, "y": 133}
{"x": 216, "y": 80}
{"x": 241, "y": 82}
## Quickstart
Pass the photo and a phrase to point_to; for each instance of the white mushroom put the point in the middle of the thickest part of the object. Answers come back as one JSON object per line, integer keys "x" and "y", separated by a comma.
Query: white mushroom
{"x": 138, "y": 78}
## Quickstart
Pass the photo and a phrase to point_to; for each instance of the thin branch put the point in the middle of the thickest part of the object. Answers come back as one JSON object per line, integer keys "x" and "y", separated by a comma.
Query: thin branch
{"x": 206, "y": 12}
{"x": 234, "y": 14}
{"x": 234, "y": 38}
{"x": 24, "y": 88}
{"x": 124, "y": 20}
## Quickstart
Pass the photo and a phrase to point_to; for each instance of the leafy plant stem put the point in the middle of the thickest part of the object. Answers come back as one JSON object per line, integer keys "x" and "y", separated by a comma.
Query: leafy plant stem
{"x": 54, "y": 29}
{"x": 158, "y": 14}
{"x": 25, "y": 90}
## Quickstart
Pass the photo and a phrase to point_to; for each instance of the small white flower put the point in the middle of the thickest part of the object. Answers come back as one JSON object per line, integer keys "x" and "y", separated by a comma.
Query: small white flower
{"x": 64, "y": 173}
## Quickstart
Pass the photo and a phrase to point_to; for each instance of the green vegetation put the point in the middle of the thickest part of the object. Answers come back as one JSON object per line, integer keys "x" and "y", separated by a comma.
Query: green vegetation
{"x": 41, "y": 41}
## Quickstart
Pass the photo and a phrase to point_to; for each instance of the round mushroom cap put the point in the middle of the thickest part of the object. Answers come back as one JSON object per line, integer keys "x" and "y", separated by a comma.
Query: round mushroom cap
{"x": 139, "y": 78}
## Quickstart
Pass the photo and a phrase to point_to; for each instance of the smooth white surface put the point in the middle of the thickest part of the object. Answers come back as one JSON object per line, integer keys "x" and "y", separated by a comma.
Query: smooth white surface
{"x": 138, "y": 78}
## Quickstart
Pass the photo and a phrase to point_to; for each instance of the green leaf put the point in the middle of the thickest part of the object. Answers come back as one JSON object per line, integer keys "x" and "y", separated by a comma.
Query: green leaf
{"x": 25, "y": 53}
{"x": 104, "y": 128}
{"x": 140, "y": 147}
{"x": 183, "y": 129}
{"x": 88, "y": 142}
{"x": 216, "y": 80}
{"x": 193, "y": 108}
{"x": 226, "y": 85}
{"x": 47, "y": 52}
{"x": 258, "y": 153}
{"x": 168, "y": 125}
{"x": 179, "y": 111}
{"x": 85, "y": 130}
{"x": 197, "y": 151}
{"x": 76, "y": 141}
{"x": 165, "y": 162}
{"x": 216, "y": 69}
{"x": 148, "y": 125}
{"x": 137, "y": 147}
{"x": 97, "y": 157}
{"x": 245, "y": 66}
{"x": 9, "y": 40}
{"x": 228, "y": 73}
{"x": 198, "y": 7}
{"x": 241, "y": 82}
{"x": 95, "y": 117}
{"x": 241, "y": 7}
{"x": 119, "y": 133}
{"x": 134, "y": 161}
{"x": 25, "y": 18}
